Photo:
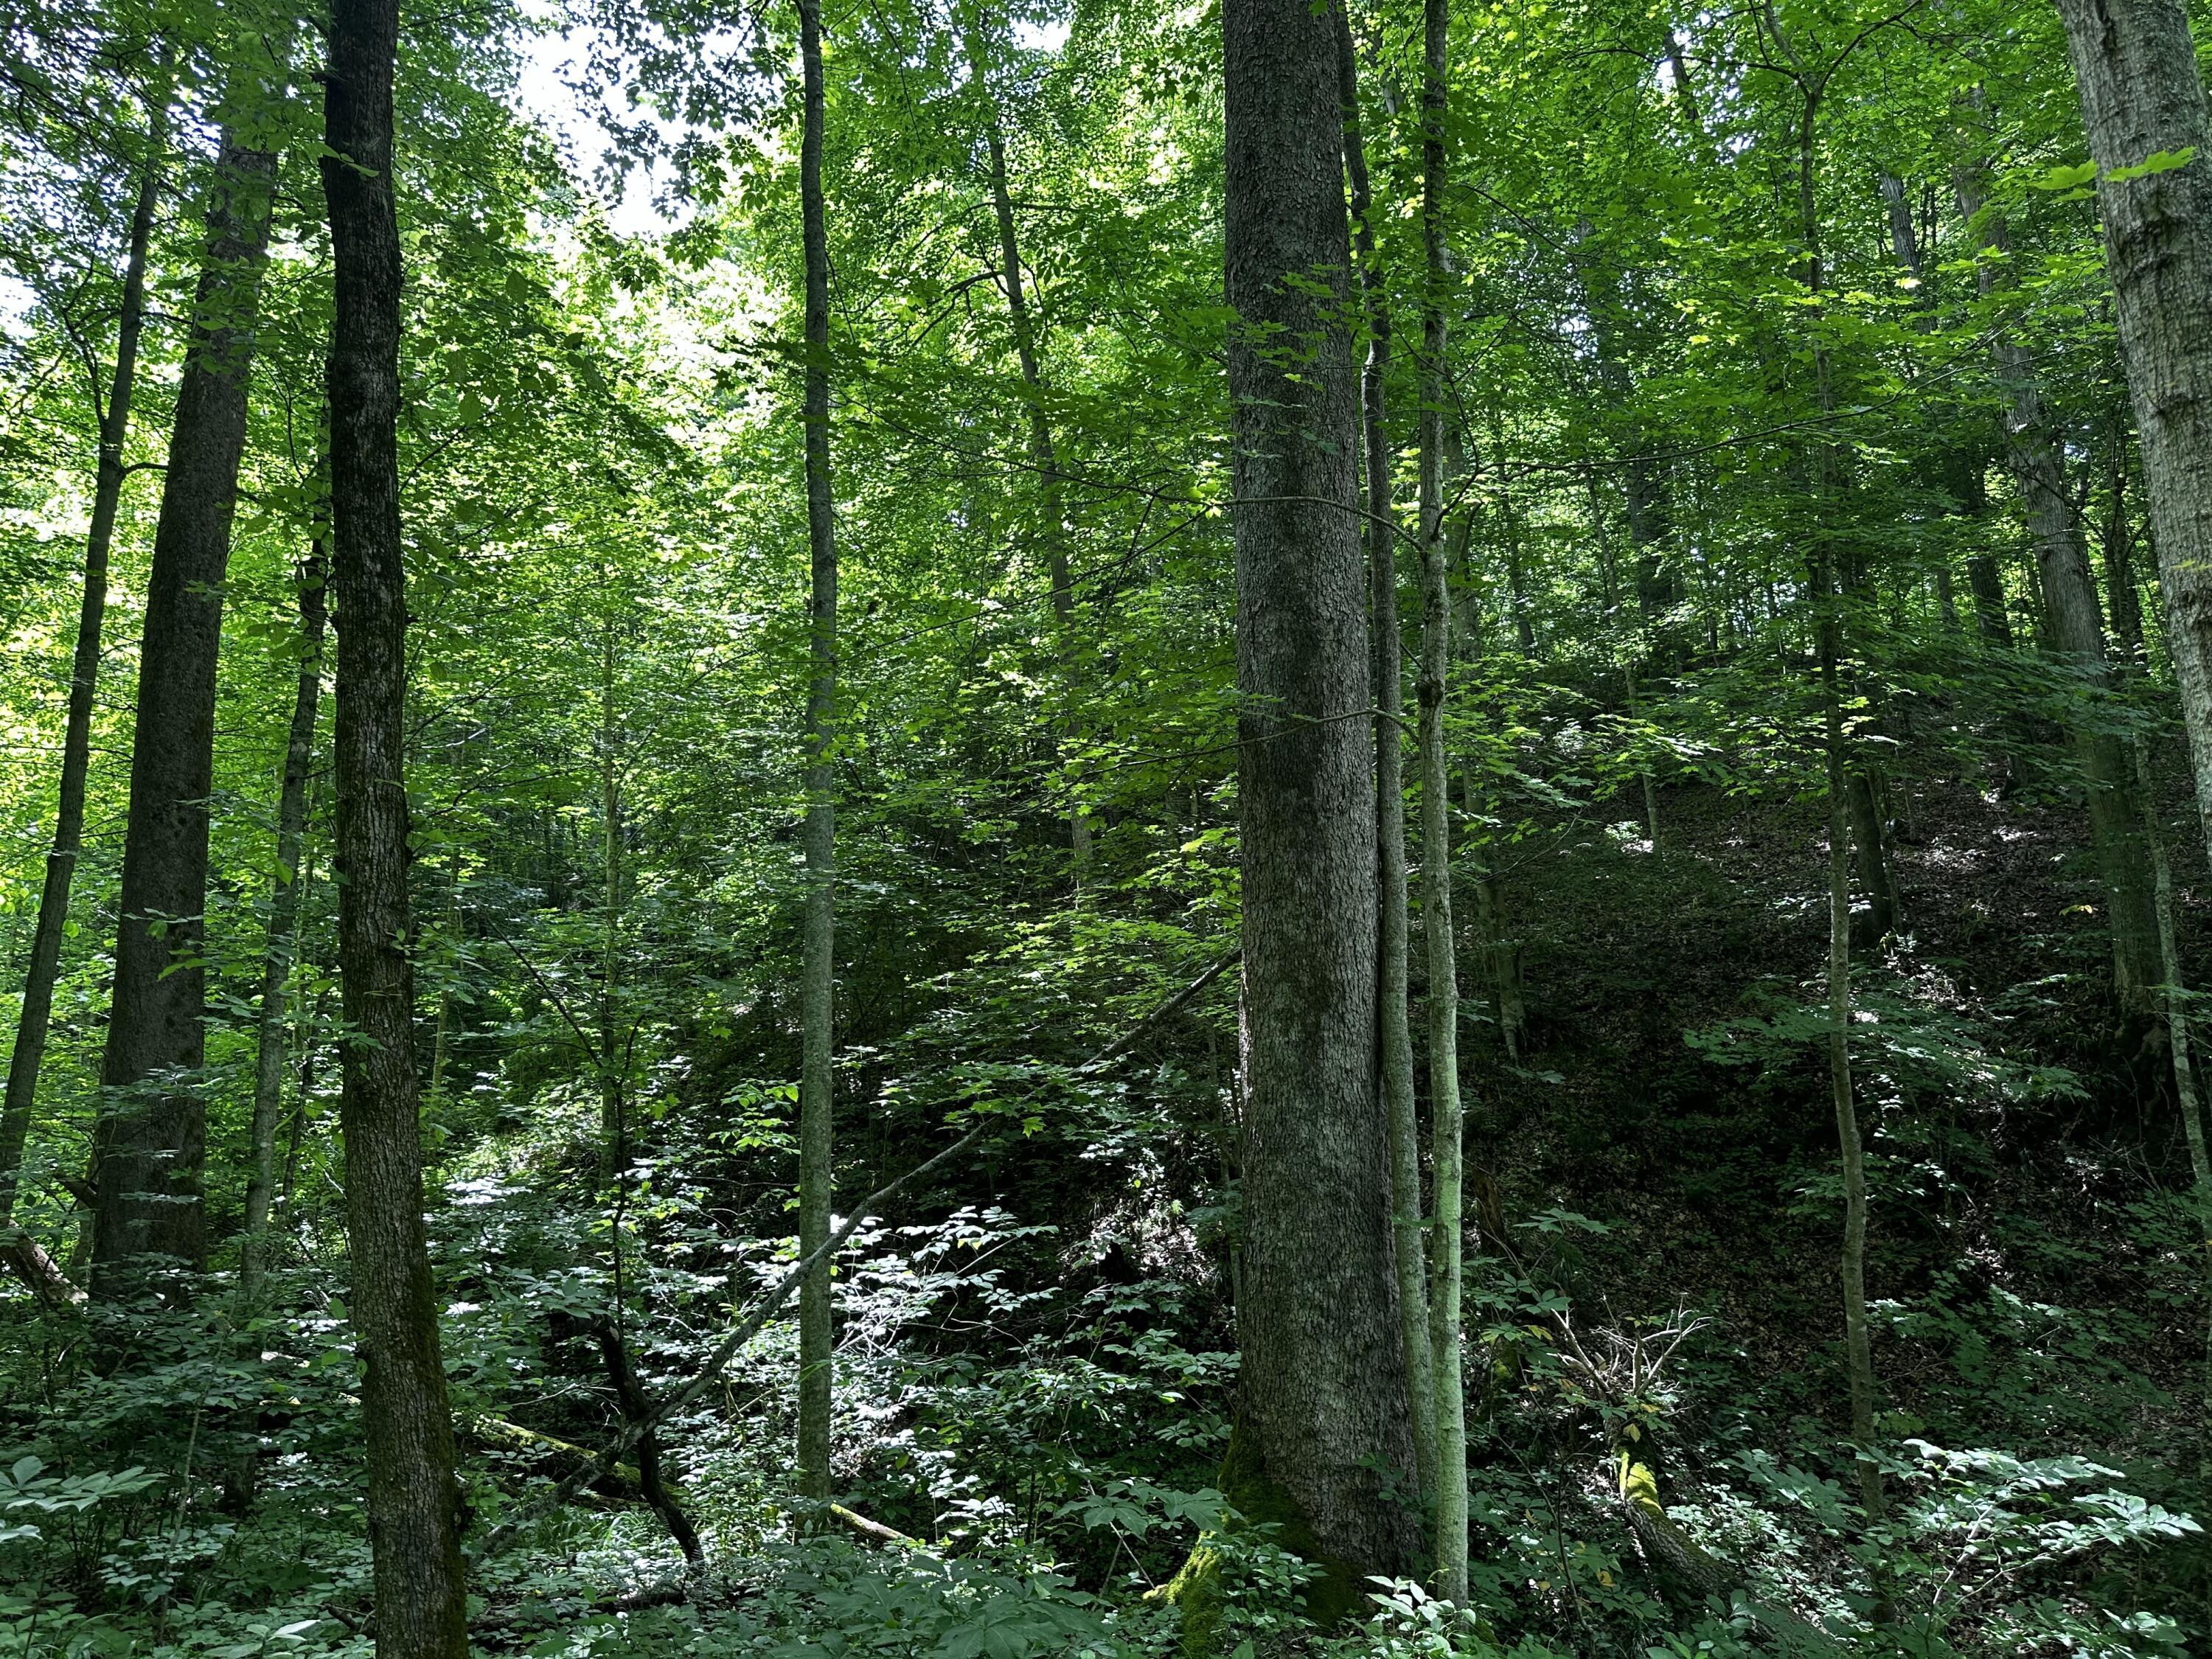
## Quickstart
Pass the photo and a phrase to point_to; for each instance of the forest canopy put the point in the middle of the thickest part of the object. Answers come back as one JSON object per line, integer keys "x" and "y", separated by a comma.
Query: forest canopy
{"x": 1370, "y": 828}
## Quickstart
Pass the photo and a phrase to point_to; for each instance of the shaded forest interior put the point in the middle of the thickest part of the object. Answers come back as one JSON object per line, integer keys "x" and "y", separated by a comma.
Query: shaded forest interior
{"x": 1255, "y": 830}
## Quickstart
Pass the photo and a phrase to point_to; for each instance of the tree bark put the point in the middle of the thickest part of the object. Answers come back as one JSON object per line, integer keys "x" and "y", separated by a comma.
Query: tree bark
{"x": 2077, "y": 631}
{"x": 816, "y": 983}
{"x": 149, "y": 1146}
{"x": 24, "y": 1254}
{"x": 1824, "y": 590}
{"x": 2136, "y": 67}
{"x": 1324, "y": 1431}
{"x": 1446, "y": 1119}
{"x": 413, "y": 1503}
{"x": 283, "y": 917}
{"x": 1394, "y": 1030}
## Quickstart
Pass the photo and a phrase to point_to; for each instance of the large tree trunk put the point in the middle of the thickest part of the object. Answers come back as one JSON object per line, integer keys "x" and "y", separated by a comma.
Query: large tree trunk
{"x": 1324, "y": 1433}
{"x": 25, "y": 1255}
{"x": 413, "y": 1502}
{"x": 2141, "y": 97}
{"x": 817, "y": 981}
{"x": 150, "y": 1145}
{"x": 2077, "y": 629}
{"x": 1446, "y": 1119}
{"x": 1393, "y": 1024}
{"x": 283, "y": 917}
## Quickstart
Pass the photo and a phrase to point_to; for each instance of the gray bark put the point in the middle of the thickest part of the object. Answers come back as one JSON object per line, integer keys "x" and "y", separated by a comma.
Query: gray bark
{"x": 1394, "y": 1030}
{"x": 2033, "y": 452}
{"x": 1447, "y": 1124}
{"x": 2136, "y": 67}
{"x": 817, "y": 981}
{"x": 1324, "y": 1428}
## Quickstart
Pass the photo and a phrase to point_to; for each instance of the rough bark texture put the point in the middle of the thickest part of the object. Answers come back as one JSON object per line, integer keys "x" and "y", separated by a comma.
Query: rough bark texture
{"x": 27, "y": 1258}
{"x": 413, "y": 1520}
{"x": 2032, "y": 452}
{"x": 150, "y": 1145}
{"x": 283, "y": 913}
{"x": 817, "y": 984}
{"x": 1324, "y": 1421}
{"x": 2136, "y": 67}
{"x": 1393, "y": 1032}
{"x": 1446, "y": 1123}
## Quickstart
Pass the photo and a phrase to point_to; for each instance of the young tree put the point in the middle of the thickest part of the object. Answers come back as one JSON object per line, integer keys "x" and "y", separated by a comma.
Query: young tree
{"x": 1446, "y": 1125}
{"x": 1323, "y": 1426}
{"x": 1393, "y": 1032}
{"x": 283, "y": 918}
{"x": 413, "y": 1503}
{"x": 24, "y": 1254}
{"x": 817, "y": 983}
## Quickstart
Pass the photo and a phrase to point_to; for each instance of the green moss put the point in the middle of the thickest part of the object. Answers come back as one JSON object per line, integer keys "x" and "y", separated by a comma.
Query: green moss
{"x": 1337, "y": 1595}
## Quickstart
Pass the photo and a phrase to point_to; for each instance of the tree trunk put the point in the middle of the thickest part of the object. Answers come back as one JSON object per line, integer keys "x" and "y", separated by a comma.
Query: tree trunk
{"x": 1324, "y": 1435}
{"x": 2140, "y": 95}
{"x": 1823, "y": 589}
{"x": 1044, "y": 458}
{"x": 614, "y": 1126}
{"x": 2077, "y": 631}
{"x": 2175, "y": 1011}
{"x": 1446, "y": 1121}
{"x": 149, "y": 1147}
{"x": 413, "y": 1502}
{"x": 1394, "y": 1030}
{"x": 2116, "y": 545}
{"x": 25, "y": 1255}
{"x": 817, "y": 982}
{"x": 283, "y": 914}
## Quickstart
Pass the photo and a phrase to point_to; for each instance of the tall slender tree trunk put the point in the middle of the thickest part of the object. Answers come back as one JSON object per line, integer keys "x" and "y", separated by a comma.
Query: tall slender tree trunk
{"x": 1858, "y": 1353}
{"x": 1324, "y": 1433}
{"x": 1825, "y": 590}
{"x": 816, "y": 980}
{"x": 2077, "y": 631}
{"x": 283, "y": 920}
{"x": 2136, "y": 67}
{"x": 2181, "y": 1051}
{"x": 1446, "y": 1120}
{"x": 2117, "y": 545}
{"x": 614, "y": 1127}
{"x": 1394, "y": 1029}
{"x": 149, "y": 1146}
{"x": 25, "y": 1255}
{"x": 413, "y": 1503}
{"x": 1044, "y": 459}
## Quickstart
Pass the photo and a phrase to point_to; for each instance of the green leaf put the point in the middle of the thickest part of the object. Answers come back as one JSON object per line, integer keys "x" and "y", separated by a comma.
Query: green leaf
{"x": 2065, "y": 178}
{"x": 2163, "y": 160}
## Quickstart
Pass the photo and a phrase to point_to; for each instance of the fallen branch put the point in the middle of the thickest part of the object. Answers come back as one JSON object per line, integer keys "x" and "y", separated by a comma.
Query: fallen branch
{"x": 27, "y": 1260}
{"x": 637, "y": 1408}
{"x": 497, "y": 1434}
{"x": 766, "y": 1307}
{"x": 867, "y": 1529}
{"x": 764, "y": 1310}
